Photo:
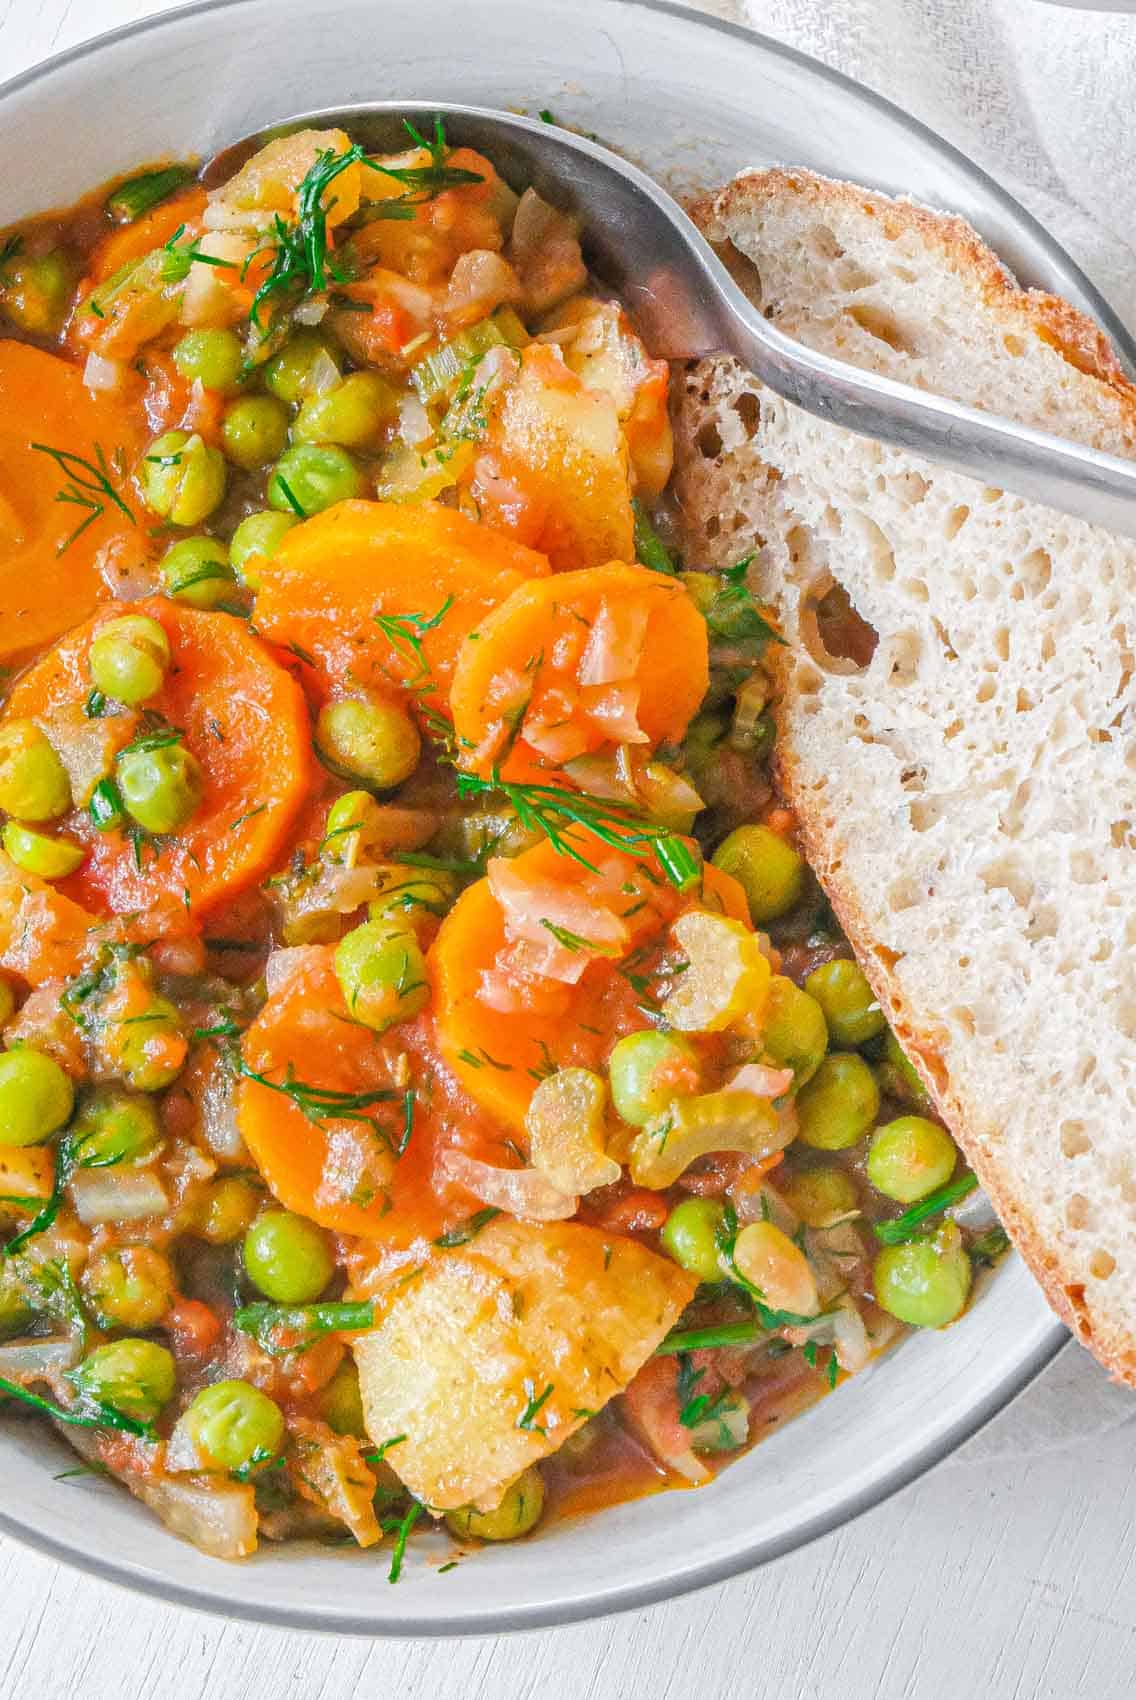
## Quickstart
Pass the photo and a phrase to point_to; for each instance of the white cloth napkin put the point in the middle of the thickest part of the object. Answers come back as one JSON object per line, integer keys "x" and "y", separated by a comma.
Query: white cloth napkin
{"x": 1042, "y": 96}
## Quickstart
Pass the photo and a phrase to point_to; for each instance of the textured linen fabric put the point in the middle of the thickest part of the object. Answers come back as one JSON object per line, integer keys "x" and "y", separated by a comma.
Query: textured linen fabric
{"x": 1042, "y": 96}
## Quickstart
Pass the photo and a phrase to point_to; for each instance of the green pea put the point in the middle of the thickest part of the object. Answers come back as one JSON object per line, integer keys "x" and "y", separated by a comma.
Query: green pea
{"x": 36, "y": 293}
{"x": 136, "y": 1377}
{"x": 382, "y": 974}
{"x": 196, "y": 570}
{"x": 210, "y": 357}
{"x": 38, "y": 853}
{"x": 229, "y": 1207}
{"x": 924, "y": 1282}
{"x": 182, "y": 478}
{"x": 288, "y": 1257}
{"x": 850, "y": 1008}
{"x": 33, "y": 781}
{"x": 231, "y": 1422}
{"x": 519, "y": 1511}
{"x": 910, "y": 1157}
{"x": 688, "y": 1235}
{"x": 768, "y": 869}
{"x": 161, "y": 788}
{"x": 145, "y": 1057}
{"x": 116, "y": 1127}
{"x": 820, "y": 1196}
{"x": 898, "y": 1077}
{"x": 376, "y": 742}
{"x": 341, "y": 1403}
{"x": 16, "y": 1308}
{"x": 36, "y": 1097}
{"x": 255, "y": 541}
{"x": 130, "y": 1286}
{"x": 795, "y": 1033}
{"x": 839, "y": 1104}
{"x": 302, "y": 368}
{"x": 309, "y": 477}
{"x": 351, "y": 414}
{"x": 254, "y": 431}
{"x": 647, "y": 1071}
{"x": 7, "y": 1001}
{"x": 129, "y": 657}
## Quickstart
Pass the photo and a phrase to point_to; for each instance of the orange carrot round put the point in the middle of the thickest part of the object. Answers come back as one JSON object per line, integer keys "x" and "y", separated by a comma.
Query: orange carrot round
{"x": 575, "y": 662}
{"x": 336, "y": 575}
{"x": 245, "y": 721}
{"x": 48, "y": 578}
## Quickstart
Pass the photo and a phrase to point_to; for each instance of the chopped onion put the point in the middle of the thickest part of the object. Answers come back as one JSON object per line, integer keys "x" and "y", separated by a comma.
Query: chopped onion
{"x": 532, "y": 907}
{"x": 100, "y": 374}
{"x": 293, "y": 959}
{"x": 480, "y": 281}
{"x": 850, "y": 1338}
{"x": 414, "y": 425}
{"x": 614, "y": 710}
{"x": 114, "y": 1195}
{"x": 38, "y": 1360}
{"x": 763, "y": 1082}
{"x": 615, "y": 643}
{"x": 312, "y": 311}
{"x": 520, "y": 1192}
{"x": 217, "y": 1517}
{"x": 219, "y": 1115}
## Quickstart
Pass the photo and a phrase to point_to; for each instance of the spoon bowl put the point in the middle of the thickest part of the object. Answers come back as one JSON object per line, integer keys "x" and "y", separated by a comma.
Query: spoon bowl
{"x": 685, "y": 304}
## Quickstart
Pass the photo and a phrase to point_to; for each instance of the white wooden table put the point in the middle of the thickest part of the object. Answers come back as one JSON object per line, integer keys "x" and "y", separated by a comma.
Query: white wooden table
{"x": 1008, "y": 1572}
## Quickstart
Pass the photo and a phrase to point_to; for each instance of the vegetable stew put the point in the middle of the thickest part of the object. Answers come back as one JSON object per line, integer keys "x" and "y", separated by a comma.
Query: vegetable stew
{"x": 433, "y": 1085}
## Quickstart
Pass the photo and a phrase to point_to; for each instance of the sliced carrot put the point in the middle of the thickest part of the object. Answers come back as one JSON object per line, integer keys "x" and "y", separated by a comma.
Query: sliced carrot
{"x": 376, "y": 1179}
{"x": 500, "y": 1056}
{"x": 555, "y": 466}
{"x": 153, "y": 230}
{"x": 48, "y": 583}
{"x": 531, "y": 661}
{"x": 44, "y": 935}
{"x": 324, "y": 590}
{"x": 243, "y": 718}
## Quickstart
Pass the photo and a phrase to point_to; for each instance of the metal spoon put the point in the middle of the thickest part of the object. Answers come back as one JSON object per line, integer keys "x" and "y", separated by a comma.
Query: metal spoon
{"x": 686, "y": 304}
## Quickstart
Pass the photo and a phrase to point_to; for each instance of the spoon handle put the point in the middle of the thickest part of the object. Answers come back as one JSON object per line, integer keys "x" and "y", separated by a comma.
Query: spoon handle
{"x": 1096, "y": 487}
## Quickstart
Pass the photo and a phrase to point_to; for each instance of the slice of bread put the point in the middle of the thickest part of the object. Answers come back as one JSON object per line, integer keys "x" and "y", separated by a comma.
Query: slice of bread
{"x": 968, "y": 796}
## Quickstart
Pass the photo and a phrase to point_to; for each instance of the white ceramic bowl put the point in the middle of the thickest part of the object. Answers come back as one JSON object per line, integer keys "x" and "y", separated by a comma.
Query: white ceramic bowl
{"x": 693, "y": 101}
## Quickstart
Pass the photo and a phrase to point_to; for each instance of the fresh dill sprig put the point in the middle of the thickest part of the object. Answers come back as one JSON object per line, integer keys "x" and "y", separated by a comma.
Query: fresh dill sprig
{"x": 322, "y": 1103}
{"x": 553, "y": 811}
{"x": 428, "y": 180}
{"x": 535, "y": 1402}
{"x": 400, "y": 1527}
{"x": 467, "y": 1230}
{"x": 89, "y": 485}
{"x": 404, "y": 632}
{"x": 87, "y": 1413}
{"x": 650, "y": 550}
{"x": 177, "y": 261}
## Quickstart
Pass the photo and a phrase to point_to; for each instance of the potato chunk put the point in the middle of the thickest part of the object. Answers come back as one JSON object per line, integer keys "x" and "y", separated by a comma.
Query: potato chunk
{"x": 496, "y": 1351}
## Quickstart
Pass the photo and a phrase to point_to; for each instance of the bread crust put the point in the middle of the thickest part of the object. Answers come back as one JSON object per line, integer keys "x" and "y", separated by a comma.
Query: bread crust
{"x": 1081, "y": 344}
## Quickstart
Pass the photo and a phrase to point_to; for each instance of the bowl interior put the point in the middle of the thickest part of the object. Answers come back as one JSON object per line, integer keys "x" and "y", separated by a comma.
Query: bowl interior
{"x": 692, "y": 102}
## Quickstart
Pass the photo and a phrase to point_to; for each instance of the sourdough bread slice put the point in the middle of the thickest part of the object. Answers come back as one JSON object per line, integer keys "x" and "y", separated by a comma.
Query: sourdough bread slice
{"x": 967, "y": 797}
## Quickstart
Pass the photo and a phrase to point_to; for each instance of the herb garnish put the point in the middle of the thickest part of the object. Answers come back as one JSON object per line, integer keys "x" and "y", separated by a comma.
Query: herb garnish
{"x": 552, "y": 810}
{"x": 535, "y": 1401}
{"x": 380, "y": 1452}
{"x": 301, "y": 265}
{"x": 401, "y": 1527}
{"x": 86, "y": 1413}
{"x": 906, "y": 1227}
{"x": 89, "y": 485}
{"x": 280, "y": 1329}
{"x": 321, "y": 1103}
{"x": 650, "y": 550}
{"x": 734, "y": 616}
{"x": 405, "y": 631}
{"x": 467, "y": 1230}
{"x": 428, "y": 180}
{"x": 701, "y": 1339}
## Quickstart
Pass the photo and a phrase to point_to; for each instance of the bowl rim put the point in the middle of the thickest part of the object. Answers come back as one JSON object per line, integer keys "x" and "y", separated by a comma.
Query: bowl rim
{"x": 1051, "y": 1336}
